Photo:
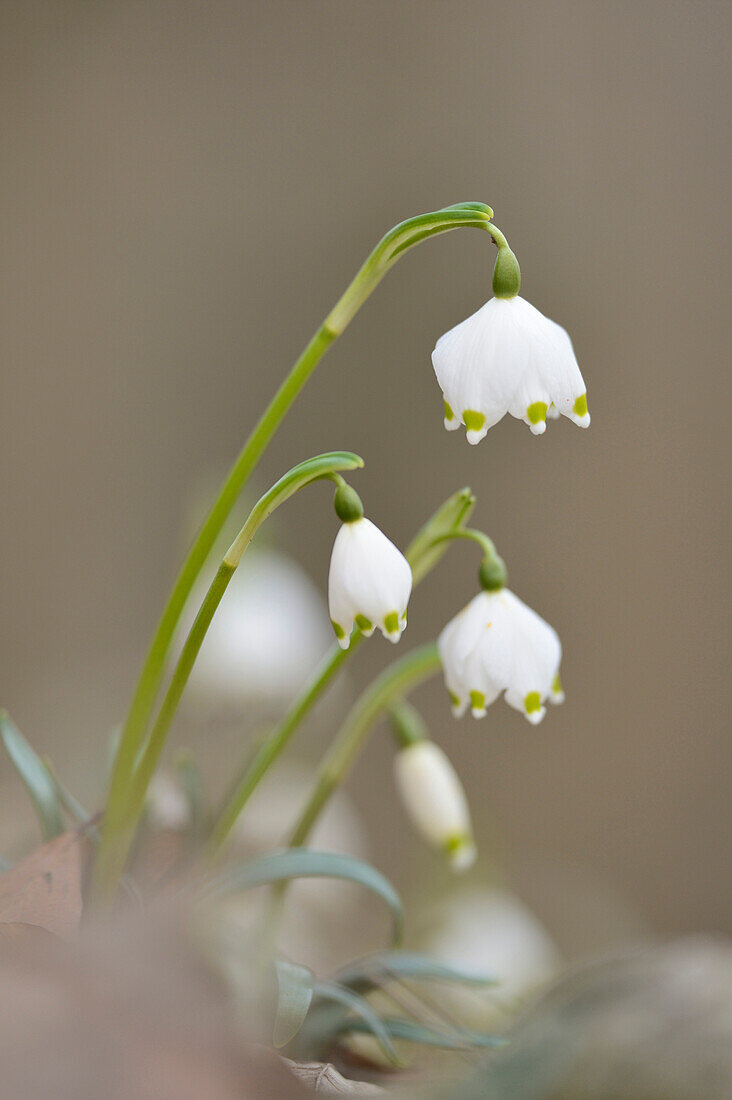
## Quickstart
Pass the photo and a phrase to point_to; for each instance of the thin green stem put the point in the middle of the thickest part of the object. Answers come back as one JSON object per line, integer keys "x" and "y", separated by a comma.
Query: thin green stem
{"x": 423, "y": 554}
{"x": 275, "y": 744}
{"x": 397, "y": 680}
{"x": 117, "y": 838}
{"x": 402, "y": 237}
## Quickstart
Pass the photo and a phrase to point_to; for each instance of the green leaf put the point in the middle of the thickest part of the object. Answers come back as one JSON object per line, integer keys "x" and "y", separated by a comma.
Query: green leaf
{"x": 457, "y": 1038}
{"x": 304, "y": 863}
{"x": 295, "y": 985}
{"x": 377, "y": 970}
{"x": 35, "y": 777}
{"x": 326, "y": 1024}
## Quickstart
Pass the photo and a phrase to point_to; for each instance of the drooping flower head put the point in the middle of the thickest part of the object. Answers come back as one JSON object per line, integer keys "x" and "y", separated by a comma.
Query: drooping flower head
{"x": 498, "y": 644}
{"x": 508, "y": 358}
{"x": 370, "y": 580}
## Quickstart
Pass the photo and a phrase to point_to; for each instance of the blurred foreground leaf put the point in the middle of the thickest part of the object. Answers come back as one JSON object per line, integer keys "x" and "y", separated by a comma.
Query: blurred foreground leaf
{"x": 44, "y": 889}
{"x": 295, "y": 985}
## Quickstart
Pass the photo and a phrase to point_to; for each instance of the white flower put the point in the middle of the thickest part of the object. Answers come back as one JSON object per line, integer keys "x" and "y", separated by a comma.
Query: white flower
{"x": 498, "y": 644}
{"x": 491, "y": 931}
{"x": 167, "y": 806}
{"x": 435, "y": 800}
{"x": 267, "y": 635}
{"x": 508, "y": 357}
{"x": 369, "y": 583}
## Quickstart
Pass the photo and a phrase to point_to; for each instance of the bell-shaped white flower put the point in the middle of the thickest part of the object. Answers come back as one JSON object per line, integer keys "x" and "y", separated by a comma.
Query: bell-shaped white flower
{"x": 369, "y": 583}
{"x": 435, "y": 800}
{"x": 508, "y": 358}
{"x": 498, "y": 644}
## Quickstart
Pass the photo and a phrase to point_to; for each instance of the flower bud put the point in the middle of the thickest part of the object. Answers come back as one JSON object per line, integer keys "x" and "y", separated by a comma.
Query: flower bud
{"x": 506, "y": 274}
{"x": 435, "y": 801}
{"x": 369, "y": 583}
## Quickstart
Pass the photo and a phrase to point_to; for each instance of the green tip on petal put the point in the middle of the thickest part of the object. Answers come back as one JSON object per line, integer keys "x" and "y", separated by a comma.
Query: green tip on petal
{"x": 453, "y": 698}
{"x": 449, "y": 414}
{"x": 477, "y": 700}
{"x": 391, "y": 622}
{"x": 364, "y": 624}
{"x": 557, "y": 685}
{"x": 537, "y": 412}
{"x": 460, "y": 850}
{"x": 532, "y": 702}
{"x": 473, "y": 420}
{"x": 339, "y": 631}
{"x": 580, "y": 405}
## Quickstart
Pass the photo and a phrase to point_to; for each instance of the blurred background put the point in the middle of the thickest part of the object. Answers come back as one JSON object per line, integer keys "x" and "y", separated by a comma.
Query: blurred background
{"x": 186, "y": 189}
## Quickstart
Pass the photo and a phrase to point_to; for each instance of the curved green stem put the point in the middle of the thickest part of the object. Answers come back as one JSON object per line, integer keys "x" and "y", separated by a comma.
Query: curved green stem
{"x": 397, "y": 680}
{"x": 401, "y": 238}
{"x": 123, "y": 813}
{"x": 422, "y": 554}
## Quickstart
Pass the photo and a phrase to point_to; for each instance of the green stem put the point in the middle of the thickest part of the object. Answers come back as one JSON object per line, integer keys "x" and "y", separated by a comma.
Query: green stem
{"x": 401, "y": 238}
{"x": 121, "y": 818}
{"x": 275, "y": 744}
{"x": 422, "y": 555}
{"x": 397, "y": 680}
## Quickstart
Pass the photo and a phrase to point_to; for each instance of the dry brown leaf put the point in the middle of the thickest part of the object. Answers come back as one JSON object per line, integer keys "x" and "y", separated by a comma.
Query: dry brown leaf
{"x": 324, "y": 1078}
{"x": 44, "y": 889}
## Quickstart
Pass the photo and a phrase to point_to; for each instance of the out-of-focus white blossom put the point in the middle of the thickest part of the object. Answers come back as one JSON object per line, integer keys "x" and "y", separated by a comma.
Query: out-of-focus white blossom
{"x": 435, "y": 800}
{"x": 267, "y": 635}
{"x": 167, "y": 806}
{"x": 490, "y": 931}
{"x": 369, "y": 583}
{"x": 498, "y": 644}
{"x": 508, "y": 358}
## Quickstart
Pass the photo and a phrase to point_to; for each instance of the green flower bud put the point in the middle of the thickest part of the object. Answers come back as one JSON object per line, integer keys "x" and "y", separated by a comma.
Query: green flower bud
{"x": 506, "y": 274}
{"x": 492, "y": 574}
{"x": 347, "y": 504}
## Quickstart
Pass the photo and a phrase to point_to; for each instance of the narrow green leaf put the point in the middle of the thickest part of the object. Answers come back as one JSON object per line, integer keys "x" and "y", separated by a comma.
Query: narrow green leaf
{"x": 423, "y": 552}
{"x": 458, "y": 1038}
{"x": 35, "y": 778}
{"x": 304, "y": 863}
{"x": 295, "y": 984}
{"x": 331, "y": 1023}
{"x": 377, "y": 970}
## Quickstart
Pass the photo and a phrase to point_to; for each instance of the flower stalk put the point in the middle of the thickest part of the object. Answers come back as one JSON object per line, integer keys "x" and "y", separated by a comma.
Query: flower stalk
{"x": 124, "y": 810}
{"x": 423, "y": 554}
{"x": 397, "y": 241}
{"x": 397, "y": 680}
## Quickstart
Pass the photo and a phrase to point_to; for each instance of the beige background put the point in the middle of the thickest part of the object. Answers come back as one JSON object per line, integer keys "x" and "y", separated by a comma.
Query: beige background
{"x": 186, "y": 187}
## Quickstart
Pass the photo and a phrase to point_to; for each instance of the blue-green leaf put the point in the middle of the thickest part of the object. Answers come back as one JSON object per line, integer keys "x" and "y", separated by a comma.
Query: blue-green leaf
{"x": 295, "y": 985}
{"x": 330, "y": 1023}
{"x": 457, "y": 1038}
{"x": 35, "y": 777}
{"x": 304, "y": 863}
{"x": 376, "y": 970}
